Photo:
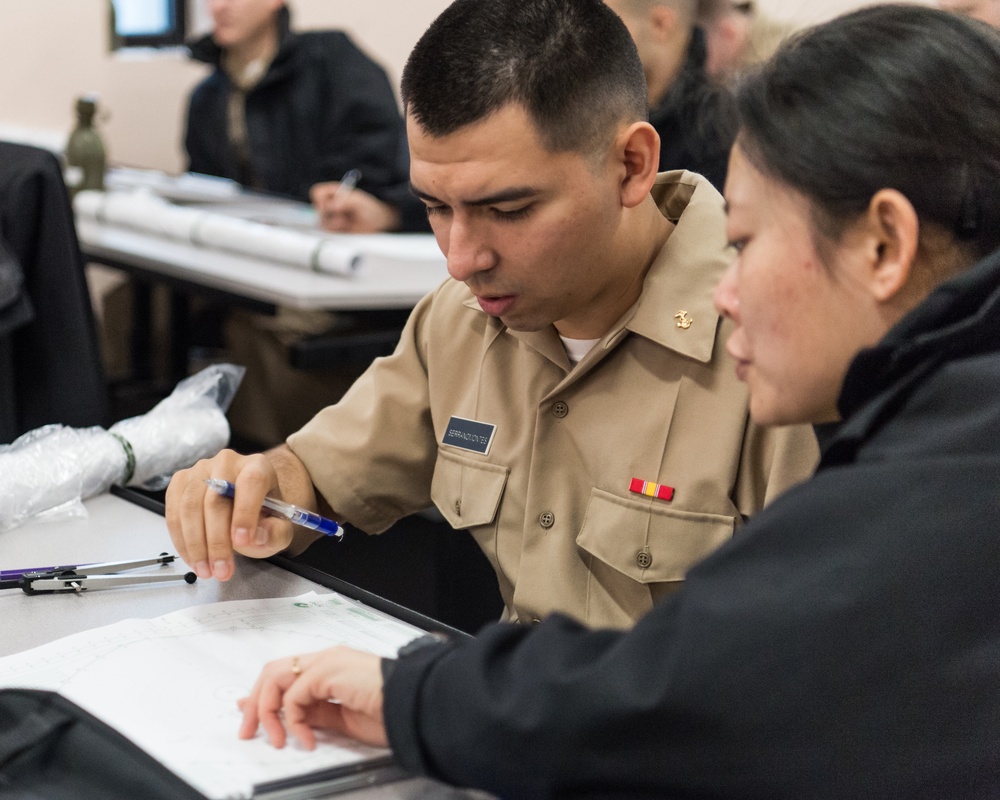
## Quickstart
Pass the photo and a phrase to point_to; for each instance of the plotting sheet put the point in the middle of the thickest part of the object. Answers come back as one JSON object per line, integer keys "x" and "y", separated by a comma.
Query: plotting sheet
{"x": 170, "y": 684}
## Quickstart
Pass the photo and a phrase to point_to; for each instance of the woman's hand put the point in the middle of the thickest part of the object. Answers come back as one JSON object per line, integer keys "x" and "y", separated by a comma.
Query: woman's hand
{"x": 338, "y": 689}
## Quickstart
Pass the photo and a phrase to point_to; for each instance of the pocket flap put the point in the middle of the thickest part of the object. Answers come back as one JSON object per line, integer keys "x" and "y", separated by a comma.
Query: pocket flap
{"x": 467, "y": 492}
{"x": 647, "y": 541}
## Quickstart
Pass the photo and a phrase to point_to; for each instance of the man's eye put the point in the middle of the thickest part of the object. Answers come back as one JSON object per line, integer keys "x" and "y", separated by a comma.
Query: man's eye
{"x": 737, "y": 245}
{"x": 433, "y": 210}
{"x": 510, "y": 216}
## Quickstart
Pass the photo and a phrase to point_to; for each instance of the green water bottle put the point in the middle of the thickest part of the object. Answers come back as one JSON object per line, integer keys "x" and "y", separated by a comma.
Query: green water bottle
{"x": 85, "y": 155}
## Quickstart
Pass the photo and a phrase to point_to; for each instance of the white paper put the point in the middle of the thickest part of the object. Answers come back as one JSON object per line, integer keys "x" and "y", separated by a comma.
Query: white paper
{"x": 171, "y": 684}
{"x": 190, "y": 187}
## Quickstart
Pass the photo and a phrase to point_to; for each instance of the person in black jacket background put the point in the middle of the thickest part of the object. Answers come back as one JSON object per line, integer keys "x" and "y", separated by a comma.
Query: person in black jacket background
{"x": 283, "y": 111}
{"x": 846, "y": 644}
{"x": 692, "y": 113}
{"x": 291, "y": 113}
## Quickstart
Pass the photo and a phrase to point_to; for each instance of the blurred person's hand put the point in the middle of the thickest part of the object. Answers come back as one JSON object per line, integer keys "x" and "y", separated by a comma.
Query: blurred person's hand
{"x": 355, "y": 211}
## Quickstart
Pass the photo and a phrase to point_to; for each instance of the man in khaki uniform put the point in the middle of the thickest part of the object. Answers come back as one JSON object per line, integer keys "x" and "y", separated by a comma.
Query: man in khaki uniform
{"x": 566, "y": 396}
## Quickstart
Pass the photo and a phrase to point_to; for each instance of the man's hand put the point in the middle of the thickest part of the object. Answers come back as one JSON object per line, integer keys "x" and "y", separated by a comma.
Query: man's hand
{"x": 352, "y": 212}
{"x": 206, "y": 528}
{"x": 339, "y": 688}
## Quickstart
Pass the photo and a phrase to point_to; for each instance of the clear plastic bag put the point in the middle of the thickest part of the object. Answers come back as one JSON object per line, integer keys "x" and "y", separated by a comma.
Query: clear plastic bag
{"x": 52, "y": 469}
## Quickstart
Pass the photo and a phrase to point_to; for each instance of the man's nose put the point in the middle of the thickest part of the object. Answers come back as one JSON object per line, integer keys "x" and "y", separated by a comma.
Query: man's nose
{"x": 469, "y": 250}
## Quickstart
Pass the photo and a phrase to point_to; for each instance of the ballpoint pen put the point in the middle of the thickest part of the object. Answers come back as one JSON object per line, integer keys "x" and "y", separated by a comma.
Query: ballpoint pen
{"x": 283, "y": 510}
{"x": 347, "y": 184}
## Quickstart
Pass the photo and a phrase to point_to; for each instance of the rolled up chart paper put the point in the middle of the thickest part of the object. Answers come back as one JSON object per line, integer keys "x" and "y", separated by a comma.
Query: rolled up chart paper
{"x": 269, "y": 243}
{"x": 144, "y": 211}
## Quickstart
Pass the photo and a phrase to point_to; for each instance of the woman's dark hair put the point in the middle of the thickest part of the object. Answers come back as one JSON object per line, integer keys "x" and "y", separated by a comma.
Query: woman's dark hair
{"x": 570, "y": 63}
{"x": 901, "y": 97}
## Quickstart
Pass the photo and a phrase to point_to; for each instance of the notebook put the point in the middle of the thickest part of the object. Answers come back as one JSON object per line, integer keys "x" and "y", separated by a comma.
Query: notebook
{"x": 170, "y": 685}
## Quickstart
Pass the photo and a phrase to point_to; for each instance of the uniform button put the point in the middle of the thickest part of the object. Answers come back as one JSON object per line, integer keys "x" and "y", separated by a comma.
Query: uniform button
{"x": 458, "y": 507}
{"x": 546, "y": 519}
{"x": 560, "y": 409}
{"x": 643, "y": 559}
{"x": 535, "y": 620}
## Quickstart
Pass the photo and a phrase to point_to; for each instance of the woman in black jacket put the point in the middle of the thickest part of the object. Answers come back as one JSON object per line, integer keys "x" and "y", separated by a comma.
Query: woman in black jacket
{"x": 846, "y": 644}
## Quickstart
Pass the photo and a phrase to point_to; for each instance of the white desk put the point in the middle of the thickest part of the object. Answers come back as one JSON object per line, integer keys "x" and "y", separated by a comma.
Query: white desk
{"x": 386, "y": 285}
{"x": 117, "y": 530}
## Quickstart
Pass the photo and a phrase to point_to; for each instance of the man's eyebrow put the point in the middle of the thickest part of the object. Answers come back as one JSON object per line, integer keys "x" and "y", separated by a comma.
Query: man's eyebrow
{"x": 506, "y": 196}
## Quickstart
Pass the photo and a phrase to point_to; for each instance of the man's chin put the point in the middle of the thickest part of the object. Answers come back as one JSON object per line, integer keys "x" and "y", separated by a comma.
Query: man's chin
{"x": 522, "y": 325}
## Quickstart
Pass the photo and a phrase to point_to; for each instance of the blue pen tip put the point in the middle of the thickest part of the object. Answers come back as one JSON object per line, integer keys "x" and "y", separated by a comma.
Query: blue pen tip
{"x": 329, "y": 528}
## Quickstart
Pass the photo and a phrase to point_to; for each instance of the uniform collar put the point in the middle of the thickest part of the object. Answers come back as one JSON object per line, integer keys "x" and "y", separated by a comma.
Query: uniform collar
{"x": 682, "y": 278}
{"x": 545, "y": 341}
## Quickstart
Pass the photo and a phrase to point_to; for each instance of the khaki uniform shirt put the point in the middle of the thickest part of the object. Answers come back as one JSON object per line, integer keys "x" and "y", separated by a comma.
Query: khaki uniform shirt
{"x": 550, "y": 504}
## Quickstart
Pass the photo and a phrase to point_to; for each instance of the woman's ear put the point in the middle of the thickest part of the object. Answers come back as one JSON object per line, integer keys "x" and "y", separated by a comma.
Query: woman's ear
{"x": 638, "y": 147}
{"x": 894, "y": 229}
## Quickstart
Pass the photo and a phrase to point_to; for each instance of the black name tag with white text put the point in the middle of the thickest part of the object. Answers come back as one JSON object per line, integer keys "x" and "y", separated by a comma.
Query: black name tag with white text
{"x": 467, "y": 434}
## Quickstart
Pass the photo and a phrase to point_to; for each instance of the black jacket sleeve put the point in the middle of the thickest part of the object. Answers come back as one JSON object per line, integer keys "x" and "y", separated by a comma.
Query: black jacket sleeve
{"x": 206, "y": 140}
{"x": 822, "y": 653}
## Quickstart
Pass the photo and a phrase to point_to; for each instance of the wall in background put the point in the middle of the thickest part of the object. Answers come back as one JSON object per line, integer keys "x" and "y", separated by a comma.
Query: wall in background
{"x": 51, "y": 51}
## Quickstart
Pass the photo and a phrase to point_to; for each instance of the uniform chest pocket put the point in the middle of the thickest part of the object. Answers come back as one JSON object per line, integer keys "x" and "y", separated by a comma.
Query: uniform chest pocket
{"x": 646, "y": 542}
{"x": 467, "y": 492}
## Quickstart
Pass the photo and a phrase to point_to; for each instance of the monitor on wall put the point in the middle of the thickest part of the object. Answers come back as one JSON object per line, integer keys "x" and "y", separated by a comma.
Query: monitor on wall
{"x": 148, "y": 23}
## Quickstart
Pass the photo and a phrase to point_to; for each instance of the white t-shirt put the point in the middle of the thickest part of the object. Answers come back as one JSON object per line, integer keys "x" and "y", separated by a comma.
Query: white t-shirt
{"x": 576, "y": 349}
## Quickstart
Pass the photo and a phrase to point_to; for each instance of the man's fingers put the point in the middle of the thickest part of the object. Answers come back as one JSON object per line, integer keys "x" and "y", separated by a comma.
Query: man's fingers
{"x": 217, "y": 512}
{"x": 191, "y": 508}
{"x": 252, "y": 531}
{"x": 172, "y": 514}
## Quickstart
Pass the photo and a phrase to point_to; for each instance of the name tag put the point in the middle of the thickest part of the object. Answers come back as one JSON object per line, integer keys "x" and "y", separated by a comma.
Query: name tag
{"x": 467, "y": 434}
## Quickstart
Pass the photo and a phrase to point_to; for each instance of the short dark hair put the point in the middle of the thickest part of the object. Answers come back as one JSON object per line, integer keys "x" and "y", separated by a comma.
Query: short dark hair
{"x": 894, "y": 96}
{"x": 571, "y": 64}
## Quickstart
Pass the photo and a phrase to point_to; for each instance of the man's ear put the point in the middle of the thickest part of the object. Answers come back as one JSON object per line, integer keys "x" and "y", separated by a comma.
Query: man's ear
{"x": 894, "y": 231}
{"x": 638, "y": 147}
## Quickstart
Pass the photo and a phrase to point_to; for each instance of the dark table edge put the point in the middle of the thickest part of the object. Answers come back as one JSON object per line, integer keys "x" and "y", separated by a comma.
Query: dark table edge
{"x": 316, "y": 576}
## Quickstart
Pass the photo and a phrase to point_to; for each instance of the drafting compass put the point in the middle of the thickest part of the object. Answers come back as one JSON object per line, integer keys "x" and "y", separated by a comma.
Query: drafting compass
{"x": 88, "y": 577}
